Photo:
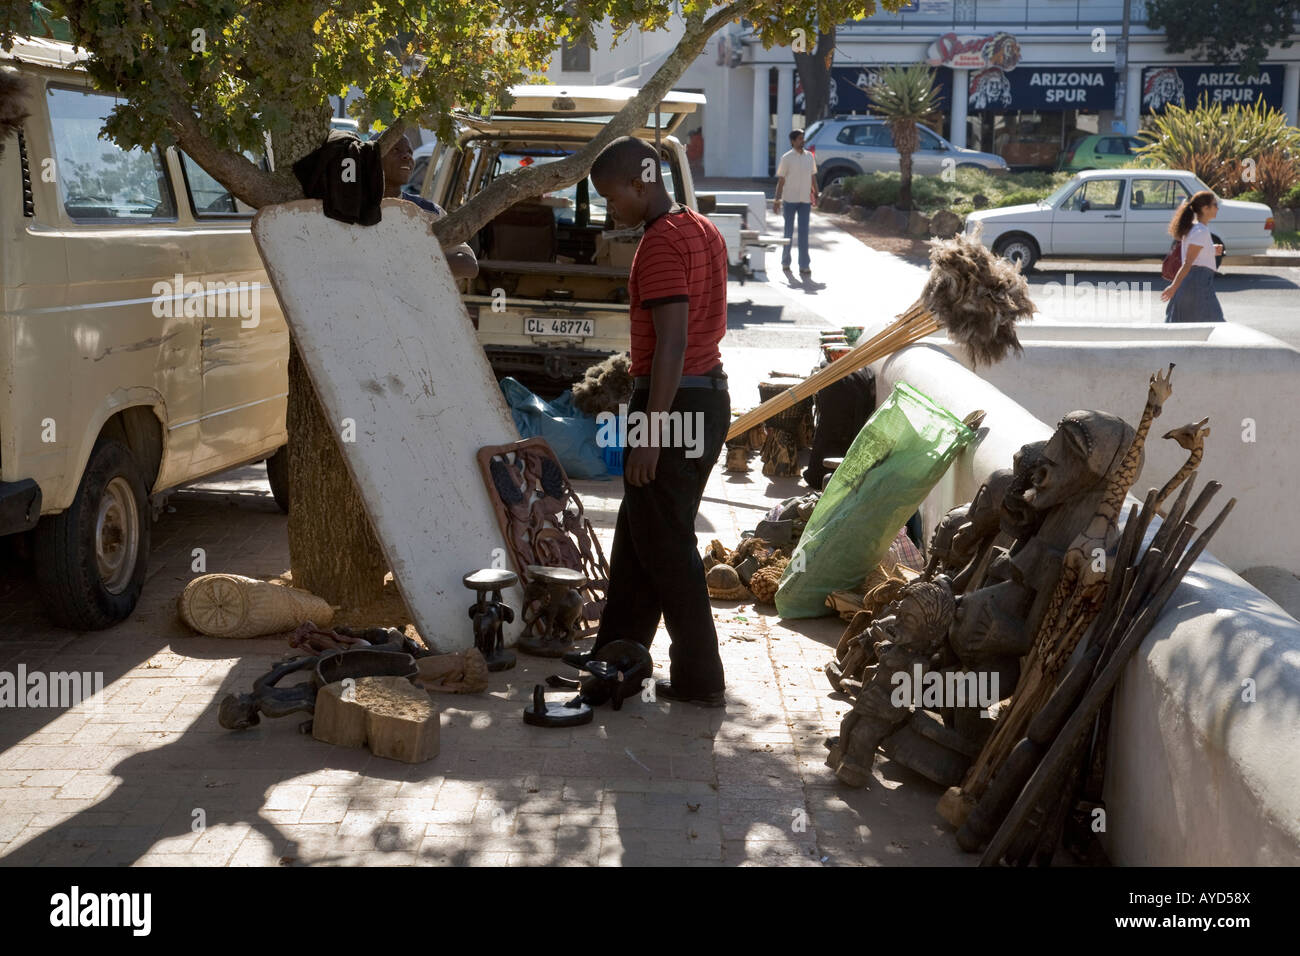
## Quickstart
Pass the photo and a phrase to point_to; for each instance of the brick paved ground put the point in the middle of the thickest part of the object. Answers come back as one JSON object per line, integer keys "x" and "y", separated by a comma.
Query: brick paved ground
{"x": 124, "y": 782}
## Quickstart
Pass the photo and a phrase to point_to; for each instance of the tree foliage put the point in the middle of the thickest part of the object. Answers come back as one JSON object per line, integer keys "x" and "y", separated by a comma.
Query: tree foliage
{"x": 216, "y": 76}
{"x": 1225, "y": 31}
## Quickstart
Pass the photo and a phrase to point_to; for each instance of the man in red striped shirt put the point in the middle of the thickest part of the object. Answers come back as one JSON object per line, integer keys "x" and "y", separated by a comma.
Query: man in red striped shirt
{"x": 678, "y": 314}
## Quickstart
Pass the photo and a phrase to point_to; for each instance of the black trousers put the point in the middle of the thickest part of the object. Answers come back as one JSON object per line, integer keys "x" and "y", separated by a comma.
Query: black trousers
{"x": 655, "y": 568}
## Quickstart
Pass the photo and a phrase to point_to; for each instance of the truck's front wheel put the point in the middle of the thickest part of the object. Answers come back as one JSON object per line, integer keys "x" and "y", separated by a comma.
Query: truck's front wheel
{"x": 91, "y": 559}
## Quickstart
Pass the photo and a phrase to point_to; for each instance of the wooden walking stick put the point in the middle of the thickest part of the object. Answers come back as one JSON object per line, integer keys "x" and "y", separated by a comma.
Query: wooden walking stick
{"x": 974, "y": 295}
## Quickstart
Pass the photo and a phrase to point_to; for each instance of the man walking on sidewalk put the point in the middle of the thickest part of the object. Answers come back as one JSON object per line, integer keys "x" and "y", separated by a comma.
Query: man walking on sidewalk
{"x": 796, "y": 189}
{"x": 678, "y": 314}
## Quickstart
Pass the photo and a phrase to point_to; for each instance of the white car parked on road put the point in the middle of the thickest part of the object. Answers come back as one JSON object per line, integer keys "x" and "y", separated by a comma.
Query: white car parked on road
{"x": 1113, "y": 214}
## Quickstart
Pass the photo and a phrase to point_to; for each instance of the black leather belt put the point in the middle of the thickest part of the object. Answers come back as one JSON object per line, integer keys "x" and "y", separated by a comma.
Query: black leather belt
{"x": 688, "y": 381}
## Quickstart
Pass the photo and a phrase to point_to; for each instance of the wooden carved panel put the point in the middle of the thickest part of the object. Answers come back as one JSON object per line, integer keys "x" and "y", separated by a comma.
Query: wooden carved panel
{"x": 542, "y": 520}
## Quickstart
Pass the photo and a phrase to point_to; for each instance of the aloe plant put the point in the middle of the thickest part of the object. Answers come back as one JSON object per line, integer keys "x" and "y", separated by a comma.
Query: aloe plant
{"x": 1224, "y": 146}
{"x": 904, "y": 96}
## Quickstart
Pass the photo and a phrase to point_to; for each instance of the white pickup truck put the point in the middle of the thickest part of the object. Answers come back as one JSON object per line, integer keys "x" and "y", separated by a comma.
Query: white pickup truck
{"x": 551, "y": 295}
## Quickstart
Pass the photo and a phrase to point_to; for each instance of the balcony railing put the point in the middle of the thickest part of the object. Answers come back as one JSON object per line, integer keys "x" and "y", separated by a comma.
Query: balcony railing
{"x": 1009, "y": 15}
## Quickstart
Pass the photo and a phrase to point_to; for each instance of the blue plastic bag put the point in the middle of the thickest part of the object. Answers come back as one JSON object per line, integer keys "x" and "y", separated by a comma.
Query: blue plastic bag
{"x": 570, "y": 433}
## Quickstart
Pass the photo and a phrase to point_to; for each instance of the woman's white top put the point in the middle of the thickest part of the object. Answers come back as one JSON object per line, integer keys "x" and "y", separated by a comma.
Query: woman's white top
{"x": 1199, "y": 235}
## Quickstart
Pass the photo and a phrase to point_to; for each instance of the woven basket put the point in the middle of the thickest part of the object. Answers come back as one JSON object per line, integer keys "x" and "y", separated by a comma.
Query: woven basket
{"x": 231, "y": 605}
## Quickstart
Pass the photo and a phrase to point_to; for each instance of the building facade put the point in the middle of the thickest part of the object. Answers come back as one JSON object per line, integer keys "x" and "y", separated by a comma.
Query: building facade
{"x": 1033, "y": 75}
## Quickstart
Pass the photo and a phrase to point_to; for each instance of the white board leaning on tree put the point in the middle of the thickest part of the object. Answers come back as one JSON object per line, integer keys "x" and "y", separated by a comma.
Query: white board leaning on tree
{"x": 386, "y": 340}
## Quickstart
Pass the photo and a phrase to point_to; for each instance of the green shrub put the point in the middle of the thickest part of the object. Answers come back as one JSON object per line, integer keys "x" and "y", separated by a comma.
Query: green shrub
{"x": 1213, "y": 141}
{"x": 1020, "y": 198}
{"x": 873, "y": 189}
{"x": 932, "y": 193}
{"x": 1291, "y": 199}
{"x": 1250, "y": 195}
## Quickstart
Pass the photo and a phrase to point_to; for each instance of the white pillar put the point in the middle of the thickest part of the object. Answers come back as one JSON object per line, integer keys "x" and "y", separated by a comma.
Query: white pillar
{"x": 1133, "y": 100}
{"x": 1291, "y": 93}
{"x": 784, "y": 106}
{"x": 762, "y": 118}
{"x": 717, "y": 128}
{"x": 960, "y": 98}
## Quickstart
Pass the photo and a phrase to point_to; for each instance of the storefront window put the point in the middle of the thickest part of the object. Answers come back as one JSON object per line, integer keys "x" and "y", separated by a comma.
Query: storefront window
{"x": 1033, "y": 139}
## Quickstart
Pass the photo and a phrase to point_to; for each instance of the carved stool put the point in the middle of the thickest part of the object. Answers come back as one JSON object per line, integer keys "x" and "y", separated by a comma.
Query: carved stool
{"x": 552, "y": 624}
{"x": 490, "y": 614}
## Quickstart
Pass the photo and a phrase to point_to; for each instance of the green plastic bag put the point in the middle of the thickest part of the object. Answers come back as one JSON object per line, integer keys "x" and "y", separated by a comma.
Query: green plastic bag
{"x": 900, "y": 454}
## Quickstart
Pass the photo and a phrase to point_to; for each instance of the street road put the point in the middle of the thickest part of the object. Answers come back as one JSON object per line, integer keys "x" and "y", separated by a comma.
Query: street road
{"x": 1265, "y": 298}
{"x": 854, "y": 285}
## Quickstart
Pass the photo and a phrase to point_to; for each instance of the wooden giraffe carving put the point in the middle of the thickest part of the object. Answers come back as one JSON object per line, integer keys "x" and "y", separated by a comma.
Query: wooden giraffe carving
{"x": 1082, "y": 586}
{"x": 1192, "y": 438}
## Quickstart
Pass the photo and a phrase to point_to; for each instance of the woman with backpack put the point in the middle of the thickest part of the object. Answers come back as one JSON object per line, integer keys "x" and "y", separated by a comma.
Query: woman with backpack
{"x": 1191, "y": 295}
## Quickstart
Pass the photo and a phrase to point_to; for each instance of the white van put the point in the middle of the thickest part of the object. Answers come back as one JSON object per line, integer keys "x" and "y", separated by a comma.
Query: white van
{"x": 141, "y": 345}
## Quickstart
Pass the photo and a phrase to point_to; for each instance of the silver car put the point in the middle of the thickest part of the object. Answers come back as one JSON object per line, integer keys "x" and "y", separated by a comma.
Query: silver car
{"x": 852, "y": 145}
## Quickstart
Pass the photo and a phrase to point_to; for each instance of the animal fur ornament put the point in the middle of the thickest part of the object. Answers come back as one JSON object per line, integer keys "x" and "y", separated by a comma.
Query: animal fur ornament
{"x": 605, "y": 387}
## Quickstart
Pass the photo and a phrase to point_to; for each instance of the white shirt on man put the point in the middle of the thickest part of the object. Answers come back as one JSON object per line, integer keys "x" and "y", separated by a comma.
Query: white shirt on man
{"x": 1199, "y": 235}
{"x": 797, "y": 169}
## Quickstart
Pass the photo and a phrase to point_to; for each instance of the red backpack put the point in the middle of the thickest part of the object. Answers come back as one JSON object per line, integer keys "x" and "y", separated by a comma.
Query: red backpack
{"x": 1173, "y": 261}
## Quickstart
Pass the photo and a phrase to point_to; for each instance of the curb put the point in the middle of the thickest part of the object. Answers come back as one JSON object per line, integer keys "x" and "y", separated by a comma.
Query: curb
{"x": 1284, "y": 259}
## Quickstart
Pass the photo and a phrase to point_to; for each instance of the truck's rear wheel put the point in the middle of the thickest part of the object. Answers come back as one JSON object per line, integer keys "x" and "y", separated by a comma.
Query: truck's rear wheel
{"x": 91, "y": 559}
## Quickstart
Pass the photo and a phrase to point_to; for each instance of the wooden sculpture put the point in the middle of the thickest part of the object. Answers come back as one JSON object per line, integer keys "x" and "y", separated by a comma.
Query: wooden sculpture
{"x": 1079, "y": 589}
{"x": 912, "y": 637}
{"x": 542, "y": 520}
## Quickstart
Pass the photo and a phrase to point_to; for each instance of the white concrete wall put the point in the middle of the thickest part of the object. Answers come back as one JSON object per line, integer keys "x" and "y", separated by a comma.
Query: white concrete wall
{"x": 1197, "y": 775}
{"x": 1228, "y": 372}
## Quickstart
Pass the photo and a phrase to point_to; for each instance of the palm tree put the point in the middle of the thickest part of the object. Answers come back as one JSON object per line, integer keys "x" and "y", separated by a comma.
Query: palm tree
{"x": 904, "y": 96}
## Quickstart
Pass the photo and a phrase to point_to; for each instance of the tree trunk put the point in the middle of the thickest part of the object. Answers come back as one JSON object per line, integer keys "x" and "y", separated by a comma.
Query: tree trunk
{"x": 332, "y": 549}
{"x": 905, "y": 181}
{"x": 815, "y": 77}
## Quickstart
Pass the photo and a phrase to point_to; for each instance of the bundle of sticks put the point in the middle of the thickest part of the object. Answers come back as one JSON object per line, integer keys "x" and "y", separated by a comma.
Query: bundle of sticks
{"x": 1032, "y": 793}
{"x": 974, "y": 295}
